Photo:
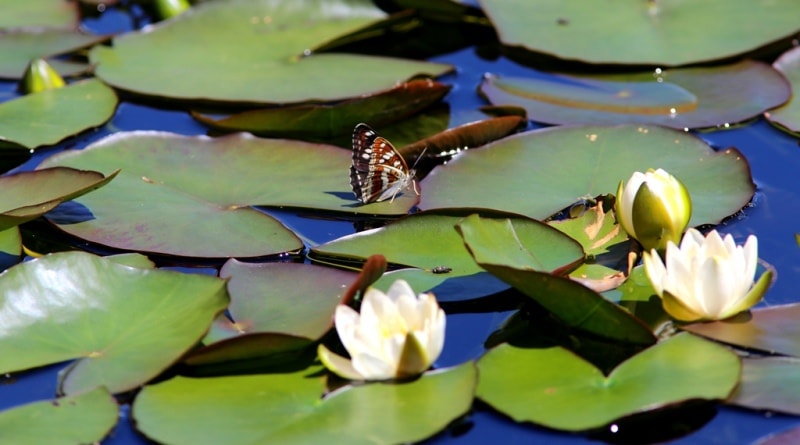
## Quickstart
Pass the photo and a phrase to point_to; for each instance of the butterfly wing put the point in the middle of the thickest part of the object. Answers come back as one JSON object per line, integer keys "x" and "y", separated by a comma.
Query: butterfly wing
{"x": 378, "y": 172}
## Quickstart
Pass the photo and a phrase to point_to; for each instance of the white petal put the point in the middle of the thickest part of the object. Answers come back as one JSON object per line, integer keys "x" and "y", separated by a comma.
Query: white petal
{"x": 372, "y": 367}
{"x": 655, "y": 270}
{"x": 716, "y": 287}
{"x": 398, "y": 288}
{"x": 338, "y": 364}
{"x": 347, "y": 321}
{"x": 751, "y": 257}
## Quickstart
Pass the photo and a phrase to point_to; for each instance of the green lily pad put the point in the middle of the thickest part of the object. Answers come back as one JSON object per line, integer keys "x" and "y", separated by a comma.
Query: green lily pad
{"x": 428, "y": 240}
{"x": 320, "y": 122}
{"x": 48, "y": 117}
{"x": 541, "y": 172}
{"x": 38, "y": 14}
{"x": 770, "y": 383}
{"x": 642, "y": 33}
{"x": 104, "y": 314}
{"x": 185, "y": 184}
{"x": 493, "y": 248}
{"x": 253, "y": 52}
{"x": 554, "y": 388}
{"x": 83, "y": 418}
{"x": 19, "y": 47}
{"x": 29, "y": 195}
{"x": 787, "y": 116}
{"x": 676, "y": 98}
{"x": 201, "y": 411}
{"x": 774, "y": 329}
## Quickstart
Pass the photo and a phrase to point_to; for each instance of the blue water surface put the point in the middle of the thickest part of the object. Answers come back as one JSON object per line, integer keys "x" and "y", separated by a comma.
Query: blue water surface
{"x": 773, "y": 216}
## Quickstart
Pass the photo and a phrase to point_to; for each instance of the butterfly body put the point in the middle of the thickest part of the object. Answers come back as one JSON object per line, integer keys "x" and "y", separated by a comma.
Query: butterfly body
{"x": 378, "y": 171}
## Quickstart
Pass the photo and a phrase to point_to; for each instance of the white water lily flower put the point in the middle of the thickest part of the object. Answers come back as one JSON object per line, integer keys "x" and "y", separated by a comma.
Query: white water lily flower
{"x": 653, "y": 208}
{"x": 396, "y": 335}
{"x": 707, "y": 278}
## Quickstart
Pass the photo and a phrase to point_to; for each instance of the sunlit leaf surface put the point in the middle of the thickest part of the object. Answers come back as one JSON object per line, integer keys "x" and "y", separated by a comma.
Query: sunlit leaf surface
{"x": 539, "y": 173}
{"x": 286, "y": 408}
{"x": 642, "y": 32}
{"x": 554, "y": 388}
{"x": 788, "y": 115}
{"x": 79, "y": 306}
{"x": 254, "y": 52}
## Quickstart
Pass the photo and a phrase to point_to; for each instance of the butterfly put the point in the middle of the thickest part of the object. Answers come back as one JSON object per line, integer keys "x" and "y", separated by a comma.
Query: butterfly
{"x": 378, "y": 171}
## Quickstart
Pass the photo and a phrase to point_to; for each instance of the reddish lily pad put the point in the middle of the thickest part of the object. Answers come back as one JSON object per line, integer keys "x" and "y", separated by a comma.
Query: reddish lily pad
{"x": 321, "y": 122}
{"x": 255, "y": 52}
{"x": 83, "y": 418}
{"x": 787, "y": 116}
{"x": 103, "y": 314}
{"x": 50, "y": 116}
{"x": 554, "y": 388}
{"x": 788, "y": 437}
{"x": 774, "y": 329}
{"x": 201, "y": 411}
{"x": 19, "y": 47}
{"x": 539, "y": 173}
{"x": 642, "y": 32}
{"x": 279, "y": 297}
{"x": 677, "y": 98}
{"x": 770, "y": 383}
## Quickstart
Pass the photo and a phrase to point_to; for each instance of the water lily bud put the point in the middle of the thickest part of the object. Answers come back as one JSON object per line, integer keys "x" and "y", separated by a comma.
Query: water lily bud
{"x": 170, "y": 8}
{"x": 653, "y": 208}
{"x": 396, "y": 335}
{"x": 707, "y": 278}
{"x": 40, "y": 76}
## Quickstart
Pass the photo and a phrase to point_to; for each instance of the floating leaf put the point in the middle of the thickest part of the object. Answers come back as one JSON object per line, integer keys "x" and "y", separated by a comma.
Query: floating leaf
{"x": 184, "y": 185}
{"x": 279, "y": 297}
{"x": 554, "y": 388}
{"x": 253, "y": 52}
{"x": 29, "y": 195}
{"x": 201, "y": 411}
{"x": 48, "y": 117}
{"x": 642, "y": 33}
{"x": 105, "y": 315}
{"x": 324, "y": 122}
{"x": 677, "y": 98}
{"x": 770, "y": 383}
{"x": 774, "y": 329}
{"x": 788, "y": 115}
{"x": 83, "y": 418}
{"x": 577, "y": 306}
{"x": 541, "y": 172}
{"x": 10, "y": 247}
{"x": 427, "y": 240}
{"x": 19, "y": 47}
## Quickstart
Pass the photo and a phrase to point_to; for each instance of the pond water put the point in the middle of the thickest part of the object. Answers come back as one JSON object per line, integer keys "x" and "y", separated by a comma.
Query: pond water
{"x": 773, "y": 215}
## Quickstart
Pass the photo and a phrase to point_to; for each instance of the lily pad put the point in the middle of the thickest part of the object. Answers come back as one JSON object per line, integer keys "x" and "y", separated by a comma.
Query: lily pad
{"x": 774, "y": 330}
{"x": 208, "y": 184}
{"x": 83, "y": 418}
{"x": 642, "y": 33}
{"x": 539, "y": 173}
{"x": 677, "y": 98}
{"x": 10, "y": 247}
{"x": 29, "y": 195}
{"x": 326, "y": 121}
{"x": 279, "y": 297}
{"x": 38, "y": 14}
{"x": 770, "y": 383}
{"x": 554, "y": 388}
{"x": 201, "y": 411}
{"x": 788, "y": 115}
{"x": 577, "y": 306}
{"x": 428, "y": 240}
{"x": 256, "y": 52}
{"x": 50, "y": 116}
{"x": 19, "y": 47}
{"x": 105, "y": 315}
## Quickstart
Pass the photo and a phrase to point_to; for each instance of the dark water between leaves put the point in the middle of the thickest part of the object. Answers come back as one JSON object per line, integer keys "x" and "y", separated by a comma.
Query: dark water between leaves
{"x": 774, "y": 215}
